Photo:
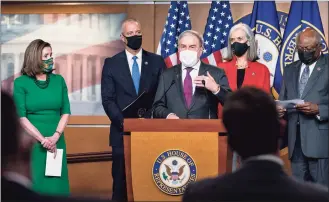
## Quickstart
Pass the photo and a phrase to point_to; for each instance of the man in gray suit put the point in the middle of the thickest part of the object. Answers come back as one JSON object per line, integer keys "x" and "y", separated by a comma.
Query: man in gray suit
{"x": 192, "y": 89}
{"x": 307, "y": 79}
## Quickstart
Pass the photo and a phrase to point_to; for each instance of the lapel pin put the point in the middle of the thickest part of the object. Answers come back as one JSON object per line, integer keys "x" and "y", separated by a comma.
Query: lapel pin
{"x": 253, "y": 74}
{"x": 146, "y": 63}
{"x": 318, "y": 68}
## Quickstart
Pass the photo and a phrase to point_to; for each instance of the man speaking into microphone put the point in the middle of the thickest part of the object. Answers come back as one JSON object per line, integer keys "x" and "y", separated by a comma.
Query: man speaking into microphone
{"x": 192, "y": 89}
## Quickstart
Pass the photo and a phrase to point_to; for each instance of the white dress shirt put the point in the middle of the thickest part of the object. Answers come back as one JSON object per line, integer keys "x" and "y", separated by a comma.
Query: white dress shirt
{"x": 194, "y": 73}
{"x": 18, "y": 178}
{"x": 131, "y": 60}
{"x": 311, "y": 70}
{"x": 303, "y": 67}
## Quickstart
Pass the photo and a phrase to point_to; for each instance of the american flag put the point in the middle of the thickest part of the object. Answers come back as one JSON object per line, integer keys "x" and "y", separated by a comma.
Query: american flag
{"x": 178, "y": 21}
{"x": 216, "y": 32}
{"x": 80, "y": 44}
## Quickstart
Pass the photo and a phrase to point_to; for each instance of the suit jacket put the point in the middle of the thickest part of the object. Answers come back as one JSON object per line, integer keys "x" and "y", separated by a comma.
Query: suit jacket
{"x": 313, "y": 132}
{"x": 12, "y": 191}
{"x": 256, "y": 74}
{"x": 258, "y": 180}
{"x": 118, "y": 91}
{"x": 204, "y": 103}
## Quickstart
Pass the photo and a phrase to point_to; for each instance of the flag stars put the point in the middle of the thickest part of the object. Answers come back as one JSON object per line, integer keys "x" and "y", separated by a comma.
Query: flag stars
{"x": 188, "y": 17}
{"x": 167, "y": 50}
{"x": 220, "y": 21}
{"x": 229, "y": 17}
{"x": 209, "y": 34}
{"x": 224, "y": 5}
{"x": 180, "y": 22}
{"x": 215, "y": 10}
{"x": 213, "y": 45}
{"x": 170, "y": 33}
{"x": 222, "y": 13}
{"x": 215, "y": 37}
{"x": 217, "y": 29}
{"x": 204, "y": 51}
{"x": 176, "y": 10}
{"x": 186, "y": 25}
{"x": 222, "y": 41}
{"x": 227, "y": 25}
{"x": 184, "y": 5}
{"x": 174, "y": 17}
{"x": 172, "y": 25}
{"x": 211, "y": 26}
{"x": 224, "y": 33}
{"x": 213, "y": 18}
{"x": 182, "y": 13}
{"x": 206, "y": 42}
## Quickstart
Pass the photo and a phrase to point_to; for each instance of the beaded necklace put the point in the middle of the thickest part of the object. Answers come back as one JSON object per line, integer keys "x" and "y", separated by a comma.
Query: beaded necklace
{"x": 42, "y": 84}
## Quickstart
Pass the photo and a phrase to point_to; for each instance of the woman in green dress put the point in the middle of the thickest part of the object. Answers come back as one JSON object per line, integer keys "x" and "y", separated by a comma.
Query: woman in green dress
{"x": 44, "y": 109}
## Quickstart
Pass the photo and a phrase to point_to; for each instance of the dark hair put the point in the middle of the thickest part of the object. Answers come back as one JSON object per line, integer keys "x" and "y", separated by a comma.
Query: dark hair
{"x": 10, "y": 127}
{"x": 33, "y": 58}
{"x": 252, "y": 122}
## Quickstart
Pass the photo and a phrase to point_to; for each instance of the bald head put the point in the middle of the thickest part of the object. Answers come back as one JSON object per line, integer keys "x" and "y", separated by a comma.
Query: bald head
{"x": 308, "y": 46}
{"x": 308, "y": 38}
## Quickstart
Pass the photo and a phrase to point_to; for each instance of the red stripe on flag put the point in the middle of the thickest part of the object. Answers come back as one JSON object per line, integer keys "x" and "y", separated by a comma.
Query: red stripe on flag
{"x": 205, "y": 60}
{"x": 218, "y": 56}
{"x": 168, "y": 62}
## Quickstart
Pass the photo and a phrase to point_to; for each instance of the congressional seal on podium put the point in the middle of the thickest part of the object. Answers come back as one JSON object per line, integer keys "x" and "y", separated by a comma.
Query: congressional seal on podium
{"x": 173, "y": 170}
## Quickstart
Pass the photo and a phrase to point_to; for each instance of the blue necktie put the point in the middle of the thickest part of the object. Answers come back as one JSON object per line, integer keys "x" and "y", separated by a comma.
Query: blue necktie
{"x": 135, "y": 74}
{"x": 303, "y": 80}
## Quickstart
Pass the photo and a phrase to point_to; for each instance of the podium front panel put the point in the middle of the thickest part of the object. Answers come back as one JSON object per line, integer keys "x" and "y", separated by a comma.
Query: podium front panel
{"x": 164, "y": 163}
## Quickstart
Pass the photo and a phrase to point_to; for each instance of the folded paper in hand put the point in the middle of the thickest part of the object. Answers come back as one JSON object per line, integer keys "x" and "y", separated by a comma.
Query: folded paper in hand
{"x": 54, "y": 165}
{"x": 289, "y": 103}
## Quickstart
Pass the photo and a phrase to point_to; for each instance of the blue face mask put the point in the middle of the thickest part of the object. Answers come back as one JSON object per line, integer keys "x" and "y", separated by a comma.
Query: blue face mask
{"x": 48, "y": 65}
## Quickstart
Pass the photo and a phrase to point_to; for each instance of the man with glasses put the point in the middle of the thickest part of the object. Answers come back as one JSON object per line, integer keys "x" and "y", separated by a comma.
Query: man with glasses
{"x": 192, "y": 89}
{"x": 307, "y": 79}
{"x": 125, "y": 77}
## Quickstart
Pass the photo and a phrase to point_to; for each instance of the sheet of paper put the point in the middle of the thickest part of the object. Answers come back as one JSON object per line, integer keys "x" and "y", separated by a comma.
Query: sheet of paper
{"x": 290, "y": 103}
{"x": 54, "y": 165}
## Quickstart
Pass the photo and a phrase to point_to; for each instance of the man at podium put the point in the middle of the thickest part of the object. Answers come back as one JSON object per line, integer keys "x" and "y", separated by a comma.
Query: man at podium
{"x": 192, "y": 89}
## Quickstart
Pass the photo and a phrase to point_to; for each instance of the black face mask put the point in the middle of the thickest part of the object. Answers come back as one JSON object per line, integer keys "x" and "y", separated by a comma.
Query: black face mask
{"x": 239, "y": 48}
{"x": 134, "y": 42}
{"x": 307, "y": 58}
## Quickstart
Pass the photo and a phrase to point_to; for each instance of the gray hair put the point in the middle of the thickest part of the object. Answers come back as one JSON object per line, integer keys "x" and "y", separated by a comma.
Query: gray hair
{"x": 252, "y": 51}
{"x": 191, "y": 33}
{"x": 129, "y": 20}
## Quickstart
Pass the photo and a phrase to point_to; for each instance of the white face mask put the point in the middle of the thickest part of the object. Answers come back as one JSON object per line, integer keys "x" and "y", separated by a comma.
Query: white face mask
{"x": 188, "y": 58}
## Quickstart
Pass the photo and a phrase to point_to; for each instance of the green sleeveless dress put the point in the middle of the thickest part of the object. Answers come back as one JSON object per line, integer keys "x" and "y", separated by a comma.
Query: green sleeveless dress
{"x": 43, "y": 107}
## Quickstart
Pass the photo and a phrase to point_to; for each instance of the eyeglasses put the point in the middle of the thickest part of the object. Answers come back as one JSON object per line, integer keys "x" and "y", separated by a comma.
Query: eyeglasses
{"x": 305, "y": 49}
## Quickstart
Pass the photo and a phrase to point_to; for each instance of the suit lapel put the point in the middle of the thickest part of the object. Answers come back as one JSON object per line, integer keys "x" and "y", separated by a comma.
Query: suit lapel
{"x": 127, "y": 79}
{"x": 295, "y": 77}
{"x": 179, "y": 84}
{"x": 143, "y": 82}
{"x": 314, "y": 76}
{"x": 196, "y": 95}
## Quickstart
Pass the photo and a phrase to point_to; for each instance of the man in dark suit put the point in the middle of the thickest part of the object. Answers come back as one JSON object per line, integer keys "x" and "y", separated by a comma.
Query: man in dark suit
{"x": 16, "y": 148}
{"x": 192, "y": 89}
{"x": 307, "y": 79}
{"x": 125, "y": 76}
{"x": 253, "y": 127}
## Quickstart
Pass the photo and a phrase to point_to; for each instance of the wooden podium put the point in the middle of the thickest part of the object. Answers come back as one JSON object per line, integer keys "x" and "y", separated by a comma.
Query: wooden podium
{"x": 162, "y": 156}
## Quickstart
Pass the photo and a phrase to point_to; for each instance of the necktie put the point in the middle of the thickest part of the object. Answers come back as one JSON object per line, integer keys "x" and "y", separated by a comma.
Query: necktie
{"x": 188, "y": 87}
{"x": 303, "y": 80}
{"x": 135, "y": 74}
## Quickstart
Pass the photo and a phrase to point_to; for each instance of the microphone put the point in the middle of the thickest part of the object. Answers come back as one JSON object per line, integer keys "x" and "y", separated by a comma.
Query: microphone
{"x": 206, "y": 92}
{"x": 164, "y": 94}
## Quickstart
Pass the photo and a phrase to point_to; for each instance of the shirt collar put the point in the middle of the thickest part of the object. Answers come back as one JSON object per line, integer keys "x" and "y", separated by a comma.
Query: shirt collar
{"x": 196, "y": 66}
{"x": 266, "y": 157}
{"x": 18, "y": 178}
{"x": 130, "y": 56}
